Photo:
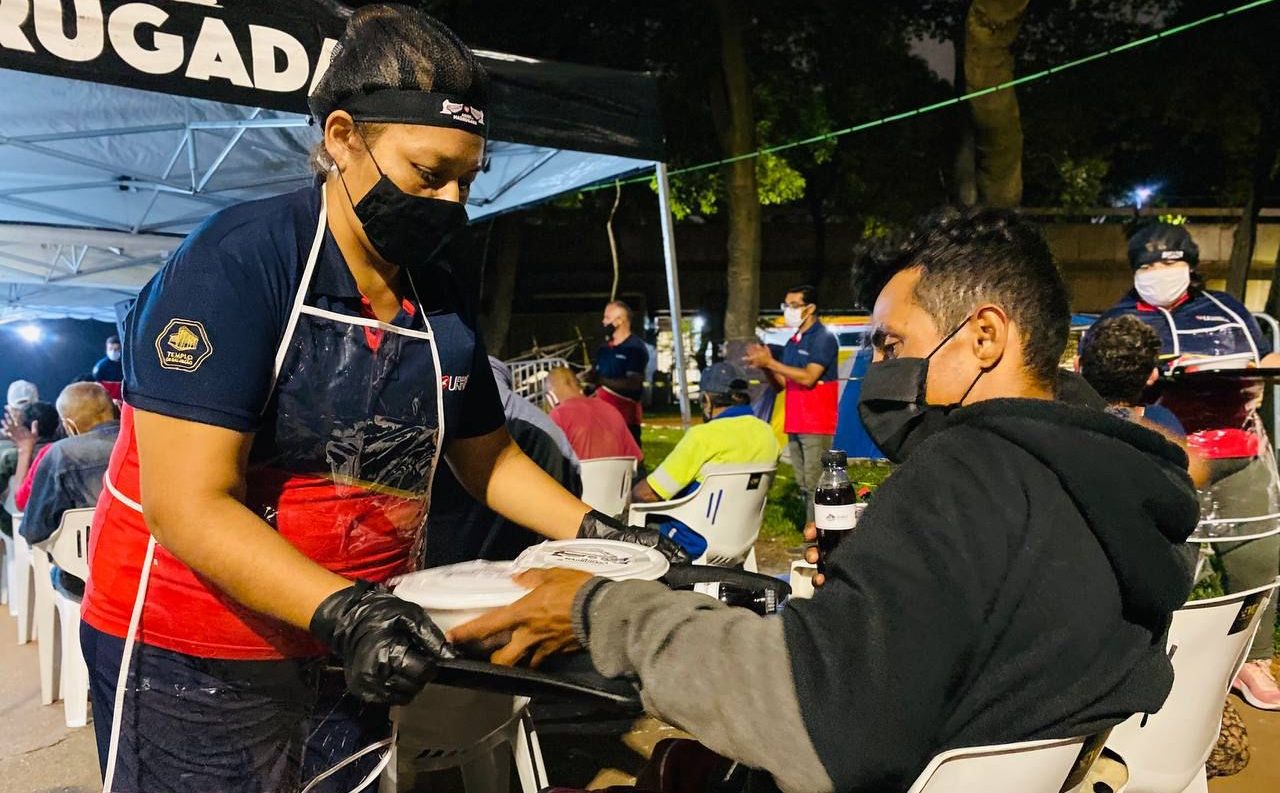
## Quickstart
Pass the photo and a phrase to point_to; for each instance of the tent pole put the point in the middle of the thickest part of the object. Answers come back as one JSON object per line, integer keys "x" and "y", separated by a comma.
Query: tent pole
{"x": 673, "y": 290}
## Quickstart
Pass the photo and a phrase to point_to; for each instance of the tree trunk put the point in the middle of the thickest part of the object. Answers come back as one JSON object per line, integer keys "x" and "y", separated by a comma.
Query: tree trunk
{"x": 964, "y": 189}
{"x": 1246, "y": 236}
{"x": 500, "y": 285}
{"x": 738, "y": 136}
{"x": 990, "y": 29}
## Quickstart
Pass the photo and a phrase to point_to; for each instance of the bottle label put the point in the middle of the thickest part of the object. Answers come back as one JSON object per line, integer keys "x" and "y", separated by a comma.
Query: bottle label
{"x": 836, "y": 517}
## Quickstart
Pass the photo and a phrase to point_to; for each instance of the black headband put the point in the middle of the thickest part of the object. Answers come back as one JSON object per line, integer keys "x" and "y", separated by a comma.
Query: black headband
{"x": 1145, "y": 257}
{"x": 397, "y": 106}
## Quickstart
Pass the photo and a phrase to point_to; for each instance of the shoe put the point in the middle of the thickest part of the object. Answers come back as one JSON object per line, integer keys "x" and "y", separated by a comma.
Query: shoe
{"x": 1256, "y": 686}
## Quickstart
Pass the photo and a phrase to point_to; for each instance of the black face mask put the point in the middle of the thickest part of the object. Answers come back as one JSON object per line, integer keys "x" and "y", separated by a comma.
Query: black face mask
{"x": 406, "y": 230}
{"x": 892, "y": 402}
{"x": 609, "y": 330}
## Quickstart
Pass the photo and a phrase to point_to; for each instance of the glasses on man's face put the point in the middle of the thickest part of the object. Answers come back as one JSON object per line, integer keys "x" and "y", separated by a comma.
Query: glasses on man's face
{"x": 785, "y": 306}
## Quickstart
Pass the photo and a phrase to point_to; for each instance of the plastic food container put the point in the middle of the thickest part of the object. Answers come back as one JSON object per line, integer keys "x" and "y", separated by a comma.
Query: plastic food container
{"x": 459, "y": 593}
{"x": 620, "y": 561}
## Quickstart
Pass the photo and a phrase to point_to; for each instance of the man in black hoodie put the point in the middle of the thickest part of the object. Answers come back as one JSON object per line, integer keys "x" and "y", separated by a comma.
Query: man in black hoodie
{"x": 1012, "y": 580}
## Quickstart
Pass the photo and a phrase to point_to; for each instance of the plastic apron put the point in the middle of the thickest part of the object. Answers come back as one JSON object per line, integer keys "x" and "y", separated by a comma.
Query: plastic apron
{"x": 1222, "y": 421}
{"x": 352, "y": 444}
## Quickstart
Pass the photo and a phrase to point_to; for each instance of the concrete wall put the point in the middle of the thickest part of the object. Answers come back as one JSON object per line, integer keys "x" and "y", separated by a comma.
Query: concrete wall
{"x": 1094, "y": 260}
{"x": 565, "y": 272}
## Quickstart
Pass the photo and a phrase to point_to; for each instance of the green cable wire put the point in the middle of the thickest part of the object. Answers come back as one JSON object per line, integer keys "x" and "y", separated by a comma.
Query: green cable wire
{"x": 1040, "y": 75}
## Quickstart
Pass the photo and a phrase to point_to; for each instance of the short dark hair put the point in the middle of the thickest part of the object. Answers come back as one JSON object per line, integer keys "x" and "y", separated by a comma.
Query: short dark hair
{"x": 806, "y": 291}
{"x": 1118, "y": 356}
{"x": 49, "y": 424}
{"x": 113, "y": 340}
{"x": 972, "y": 256}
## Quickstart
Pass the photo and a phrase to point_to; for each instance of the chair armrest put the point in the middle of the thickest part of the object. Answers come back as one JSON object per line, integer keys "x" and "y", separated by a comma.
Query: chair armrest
{"x": 659, "y": 506}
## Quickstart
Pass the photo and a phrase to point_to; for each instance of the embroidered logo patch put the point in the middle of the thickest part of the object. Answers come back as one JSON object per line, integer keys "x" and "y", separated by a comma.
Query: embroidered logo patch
{"x": 464, "y": 113}
{"x": 183, "y": 345}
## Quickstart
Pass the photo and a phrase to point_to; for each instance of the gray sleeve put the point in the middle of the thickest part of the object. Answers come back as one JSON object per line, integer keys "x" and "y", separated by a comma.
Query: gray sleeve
{"x": 722, "y": 674}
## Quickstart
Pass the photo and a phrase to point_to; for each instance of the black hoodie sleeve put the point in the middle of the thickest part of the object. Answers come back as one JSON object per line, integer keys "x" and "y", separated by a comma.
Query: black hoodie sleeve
{"x": 879, "y": 651}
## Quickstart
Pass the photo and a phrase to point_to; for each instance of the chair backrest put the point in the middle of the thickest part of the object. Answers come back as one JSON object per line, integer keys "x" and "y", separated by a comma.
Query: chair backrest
{"x": 69, "y": 545}
{"x": 606, "y": 483}
{"x": 1208, "y": 641}
{"x": 1029, "y": 767}
{"x": 726, "y": 509}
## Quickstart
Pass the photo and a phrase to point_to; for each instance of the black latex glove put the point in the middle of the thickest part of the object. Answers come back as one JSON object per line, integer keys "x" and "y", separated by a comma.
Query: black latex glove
{"x": 389, "y": 647}
{"x": 599, "y": 526}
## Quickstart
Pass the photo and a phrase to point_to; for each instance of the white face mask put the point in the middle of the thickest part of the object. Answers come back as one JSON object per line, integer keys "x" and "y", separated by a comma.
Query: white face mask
{"x": 792, "y": 317}
{"x": 1162, "y": 286}
{"x": 113, "y": 355}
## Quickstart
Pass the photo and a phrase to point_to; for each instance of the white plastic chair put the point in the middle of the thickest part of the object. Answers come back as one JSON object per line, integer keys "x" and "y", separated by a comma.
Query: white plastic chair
{"x": 477, "y": 732}
{"x": 801, "y": 580}
{"x": 46, "y": 617}
{"x": 6, "y": 550}
{"x": 606, "y": 483}
{"x": 1028, "y": 767}
{"x": 69, "y": 549}
{"x": 1208, "y": 641}
{"x": 21, "y": 585}
{"x": 727, "y": 509}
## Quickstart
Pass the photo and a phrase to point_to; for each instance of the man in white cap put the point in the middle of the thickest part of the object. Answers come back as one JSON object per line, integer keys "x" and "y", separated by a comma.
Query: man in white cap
{"x": 21, "y": 393}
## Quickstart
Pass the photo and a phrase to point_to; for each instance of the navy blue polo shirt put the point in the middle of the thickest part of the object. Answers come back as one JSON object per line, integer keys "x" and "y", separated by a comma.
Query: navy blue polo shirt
{"x": 618, "y": 361}
{"x": 815, "y": 345}
{"x": 200, "y": 342}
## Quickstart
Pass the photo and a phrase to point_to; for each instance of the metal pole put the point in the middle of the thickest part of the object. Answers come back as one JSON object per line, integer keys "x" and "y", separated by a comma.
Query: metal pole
{"x": 673, "y": 289}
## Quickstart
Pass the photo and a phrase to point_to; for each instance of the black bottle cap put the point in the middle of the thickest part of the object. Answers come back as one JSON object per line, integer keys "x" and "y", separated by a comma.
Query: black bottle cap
{"x": 835, "y": 457}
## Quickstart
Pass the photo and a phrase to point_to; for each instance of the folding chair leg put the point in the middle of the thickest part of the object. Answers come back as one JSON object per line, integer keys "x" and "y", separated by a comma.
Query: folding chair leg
{"x": 50, "y": 650}
{"x": 75, "y": 674}
{"x": 528, "y": 755}
{"x": 1199, "y": 783}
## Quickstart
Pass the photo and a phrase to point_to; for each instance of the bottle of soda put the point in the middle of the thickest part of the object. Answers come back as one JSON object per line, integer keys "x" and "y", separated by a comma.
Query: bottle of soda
{"x": 835, "y": 508}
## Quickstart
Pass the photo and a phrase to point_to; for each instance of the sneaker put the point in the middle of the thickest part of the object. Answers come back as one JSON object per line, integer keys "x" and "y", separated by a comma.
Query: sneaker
{"x": 1256, "y": 685}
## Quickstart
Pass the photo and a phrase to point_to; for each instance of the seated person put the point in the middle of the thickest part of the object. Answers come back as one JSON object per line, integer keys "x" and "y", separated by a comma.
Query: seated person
{"x": 459, "y": 528}
{"x": 730, "y": 435}
{"x": 32, "y": 429}
{"x": 70, "y": 473}
{"x": 1119, "y": 358}
{"x": 595, "y": 429}
{"x": 20, "y": 394}
{"x": 1012, "y": 580}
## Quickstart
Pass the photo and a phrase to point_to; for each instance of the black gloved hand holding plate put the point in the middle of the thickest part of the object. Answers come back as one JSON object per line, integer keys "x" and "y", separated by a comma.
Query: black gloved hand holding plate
{"x": 599, "y": 526}
{"x": 389, "y": 647}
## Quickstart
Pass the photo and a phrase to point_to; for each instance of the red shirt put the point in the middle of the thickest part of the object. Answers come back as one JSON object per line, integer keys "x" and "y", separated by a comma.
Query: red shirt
{"x": 186, "y": 613}
{"x": 23, "y": 494}
{"x": 595, "y": 429}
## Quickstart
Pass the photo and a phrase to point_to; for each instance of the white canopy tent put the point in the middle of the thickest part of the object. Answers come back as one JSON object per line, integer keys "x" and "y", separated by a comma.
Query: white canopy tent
{"x": 99, "y": 180}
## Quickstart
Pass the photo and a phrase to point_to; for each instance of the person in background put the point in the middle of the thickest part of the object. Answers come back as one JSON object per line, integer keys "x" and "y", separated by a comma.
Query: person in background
{"x": 108, "y": 368}
{"x": 1012, "y": 580}
{"x": 20, "y": 394}
{"x": 730, "y": 435}
{"x": 460, "y": 528}
{"x": 619, "y": 366}
{"x": 594, "y": 428}
{"x": 32, "y": 430}
{"x": 1220, "y": 415}
{"x": 808, "y": 371}
{"x": 69, "y": 475}
{"x": 1119, "y": 359}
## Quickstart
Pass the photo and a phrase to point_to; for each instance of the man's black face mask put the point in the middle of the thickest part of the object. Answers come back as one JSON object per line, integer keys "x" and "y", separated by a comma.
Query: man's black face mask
{"x": 892, "y": 402}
